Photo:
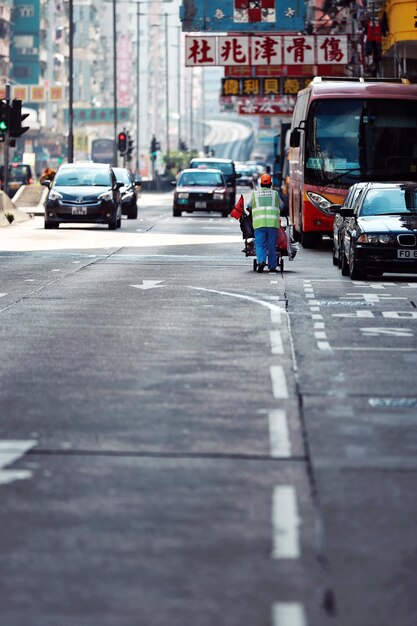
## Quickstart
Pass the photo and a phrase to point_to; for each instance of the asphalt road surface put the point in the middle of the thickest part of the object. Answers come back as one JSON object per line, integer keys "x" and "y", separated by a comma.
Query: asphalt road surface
{"x": 184, "y": 442}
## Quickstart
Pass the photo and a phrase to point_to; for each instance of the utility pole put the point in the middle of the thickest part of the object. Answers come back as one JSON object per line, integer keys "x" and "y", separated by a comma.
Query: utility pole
{"x": 166, "y": 85}
{"x": 114, "y": 85}
{"x": 70, "y": 147}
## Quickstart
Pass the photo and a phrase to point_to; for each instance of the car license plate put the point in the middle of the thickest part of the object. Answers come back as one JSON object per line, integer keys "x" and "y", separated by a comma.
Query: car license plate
{"x": 407, "y": 254}
{"x": 200, "y": 205}
{"x": 79, "y": 210}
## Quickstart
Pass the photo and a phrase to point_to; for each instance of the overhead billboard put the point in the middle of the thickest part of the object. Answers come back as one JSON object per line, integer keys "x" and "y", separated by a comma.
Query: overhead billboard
{"x": 242, "y": 15}
{"x": 271, "y": 49}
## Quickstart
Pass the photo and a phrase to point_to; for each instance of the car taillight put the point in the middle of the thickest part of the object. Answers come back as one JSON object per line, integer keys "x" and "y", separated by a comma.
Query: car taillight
{"x": 30, "y": 181}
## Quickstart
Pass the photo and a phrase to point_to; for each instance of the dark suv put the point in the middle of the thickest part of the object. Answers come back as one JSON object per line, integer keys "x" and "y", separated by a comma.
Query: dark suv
{"x": 226, "y": 166}
{"x": 19, "y": 174}
{"x": 83, "y": 192}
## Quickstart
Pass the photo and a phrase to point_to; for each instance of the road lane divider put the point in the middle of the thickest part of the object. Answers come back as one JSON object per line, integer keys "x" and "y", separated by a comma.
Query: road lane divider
{"x": 285, "y": 523}
{"x": 279, "y": 436}
{"x": 279, "y": 382}
{"x": 288, "y": 614}
{"x": 276, "y": 342}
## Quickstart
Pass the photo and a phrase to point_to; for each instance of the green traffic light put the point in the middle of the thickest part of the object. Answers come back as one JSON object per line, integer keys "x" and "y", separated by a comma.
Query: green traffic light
{"x": 3, "y": 125}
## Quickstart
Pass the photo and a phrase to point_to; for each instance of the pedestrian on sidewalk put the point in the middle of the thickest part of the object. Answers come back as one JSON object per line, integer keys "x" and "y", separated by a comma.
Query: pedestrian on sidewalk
{"x": 265, "y": 206}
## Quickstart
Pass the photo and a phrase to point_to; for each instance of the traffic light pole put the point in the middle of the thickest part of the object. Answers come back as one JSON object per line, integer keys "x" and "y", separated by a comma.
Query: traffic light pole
{"x": 7, "y": 144}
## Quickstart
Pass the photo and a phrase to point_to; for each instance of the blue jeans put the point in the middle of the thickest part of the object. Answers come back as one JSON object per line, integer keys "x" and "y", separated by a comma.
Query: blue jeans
{"x": 266, "y": 242}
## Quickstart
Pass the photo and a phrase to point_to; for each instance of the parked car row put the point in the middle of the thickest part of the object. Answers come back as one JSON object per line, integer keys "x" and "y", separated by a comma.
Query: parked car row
{"x": 90, "y": 193}
{"x": 375, "y": 230}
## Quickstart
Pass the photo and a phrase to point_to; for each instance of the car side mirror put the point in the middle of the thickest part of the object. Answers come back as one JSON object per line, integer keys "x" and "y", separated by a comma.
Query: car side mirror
{"x": 335, "y": 208}
{"x": 46, "y": 183}
{"x": 174, "y": 183}
{"x": 119, "y": 185}
{"x": 295, "y": 138}
{"x": 347, "y": 212}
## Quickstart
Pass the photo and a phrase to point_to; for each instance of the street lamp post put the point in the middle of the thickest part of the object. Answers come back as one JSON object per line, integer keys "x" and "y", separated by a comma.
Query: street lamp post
{"x": 166, "y": 85}
{"x": 137, "y": 87}
{"x": 179, "y": 87}
{"x": 70, "y": 147}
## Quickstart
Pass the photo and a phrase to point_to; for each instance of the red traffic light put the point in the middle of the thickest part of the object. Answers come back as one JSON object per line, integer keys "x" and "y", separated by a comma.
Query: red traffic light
{"x": 122, "y": 142}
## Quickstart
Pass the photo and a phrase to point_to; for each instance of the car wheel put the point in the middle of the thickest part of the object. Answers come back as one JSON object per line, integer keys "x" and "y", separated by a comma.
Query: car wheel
{"x": 355, "y": 272}
{"x": 225, "y": 213}
{"x": 113, "y": 222}
{"x": 176, "y": 213}
{"x": 132, "y": 213}
{"x": 344, "y": 265}
{"x": 310, "y": 240}
{"x": 49, "y": 225}
{"x": 119, "y": 222}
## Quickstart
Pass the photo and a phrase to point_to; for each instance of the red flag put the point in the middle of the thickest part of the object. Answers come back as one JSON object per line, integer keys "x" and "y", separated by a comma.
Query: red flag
{"x": 237, "y": 210}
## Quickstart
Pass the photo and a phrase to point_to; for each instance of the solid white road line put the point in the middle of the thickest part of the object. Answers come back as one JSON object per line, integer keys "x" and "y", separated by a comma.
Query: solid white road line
{"x": 11, "y": 451}
{"x": 279, "y": 438}
{"x": 276, "y": 342}
{"x": 279, "y": 382}
{"x": 285, "y": 522}
{"x": 288, "y": 614}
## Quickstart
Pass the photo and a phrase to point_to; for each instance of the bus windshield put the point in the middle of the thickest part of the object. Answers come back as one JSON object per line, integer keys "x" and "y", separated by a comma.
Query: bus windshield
{"x": 358, "y": 139}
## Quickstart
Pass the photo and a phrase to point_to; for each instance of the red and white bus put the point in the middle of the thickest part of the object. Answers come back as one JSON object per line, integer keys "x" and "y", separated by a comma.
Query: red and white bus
{"x": 344, "y": 131}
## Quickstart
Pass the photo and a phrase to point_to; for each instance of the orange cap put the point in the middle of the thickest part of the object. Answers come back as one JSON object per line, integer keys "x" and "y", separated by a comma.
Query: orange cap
{"x": 266, "y": 179}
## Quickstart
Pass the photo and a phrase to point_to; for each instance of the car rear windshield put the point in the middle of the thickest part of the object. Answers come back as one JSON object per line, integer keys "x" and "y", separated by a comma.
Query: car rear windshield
{"x": 82, "y": 178}
{"x": 226, "y": 168}
{"x": 200, "y": 178}
{"x": 19, "y": 173}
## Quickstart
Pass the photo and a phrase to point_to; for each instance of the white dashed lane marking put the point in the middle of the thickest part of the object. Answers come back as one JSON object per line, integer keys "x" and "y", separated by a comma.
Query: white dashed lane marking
{"x": 285, "y": 523}
{"x": 288, "y": 614}
{"x": 279, "y": 437}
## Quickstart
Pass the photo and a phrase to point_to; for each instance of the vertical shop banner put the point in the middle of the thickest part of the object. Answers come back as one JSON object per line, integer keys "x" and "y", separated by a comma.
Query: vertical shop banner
{"x": 124, "y": 60}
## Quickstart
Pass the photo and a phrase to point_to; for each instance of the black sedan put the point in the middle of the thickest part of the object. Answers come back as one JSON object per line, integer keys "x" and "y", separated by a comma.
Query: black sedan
{"x": 128, "y": 191}
{"x": 339, "y": 220}
{"x": 83, "y": 192}
{"x": 201, "y": 190}
{"x": 381, "y": 231}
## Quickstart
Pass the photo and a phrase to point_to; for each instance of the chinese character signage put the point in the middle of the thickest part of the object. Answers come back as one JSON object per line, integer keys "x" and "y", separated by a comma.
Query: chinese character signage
{"x": 243, "y": 15}
{"x": 282, "y": 105}
{"x": 266, "y": 50}
{"x": 265, "y": 86}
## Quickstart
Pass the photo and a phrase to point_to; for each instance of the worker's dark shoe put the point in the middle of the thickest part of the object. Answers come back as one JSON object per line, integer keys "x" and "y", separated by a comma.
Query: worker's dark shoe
{"x": 273, "y": 269}
{"x": 261, "y": 267}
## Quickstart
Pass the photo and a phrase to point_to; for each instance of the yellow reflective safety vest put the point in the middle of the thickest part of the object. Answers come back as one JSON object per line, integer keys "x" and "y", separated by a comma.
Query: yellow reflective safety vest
{"x": 265, "y": 204}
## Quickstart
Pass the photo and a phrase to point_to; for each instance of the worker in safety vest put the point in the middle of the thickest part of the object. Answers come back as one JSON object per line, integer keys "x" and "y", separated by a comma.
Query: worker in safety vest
{"x": 265, "y": 206}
